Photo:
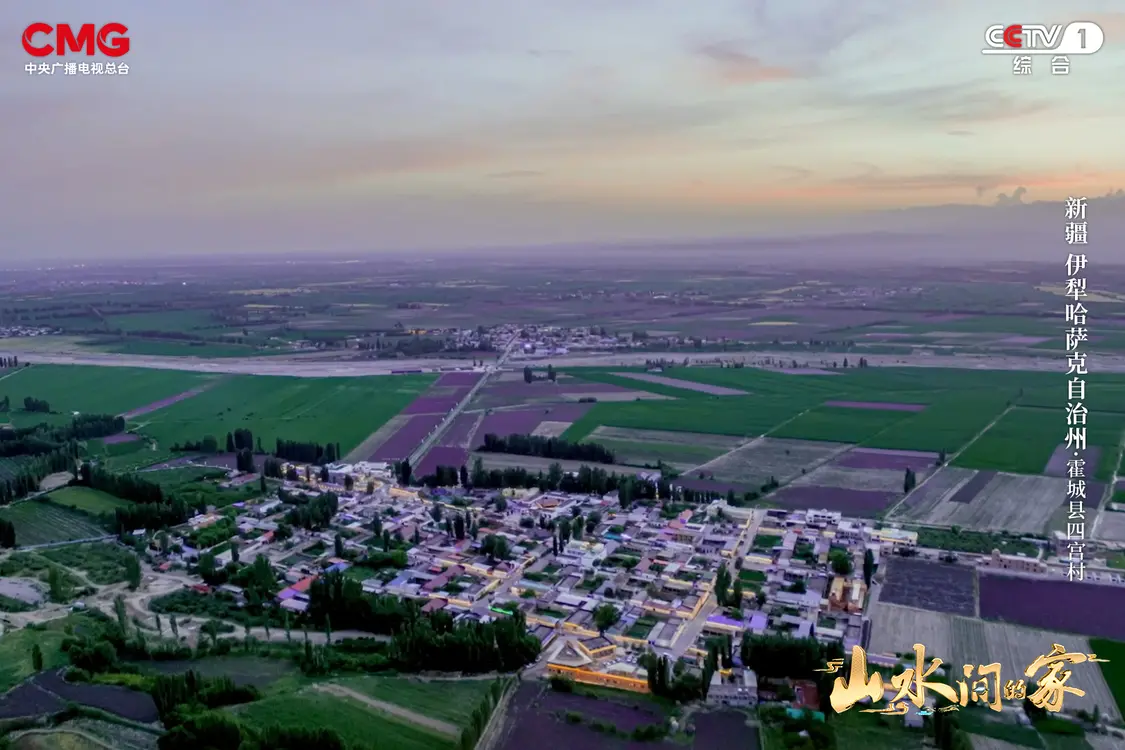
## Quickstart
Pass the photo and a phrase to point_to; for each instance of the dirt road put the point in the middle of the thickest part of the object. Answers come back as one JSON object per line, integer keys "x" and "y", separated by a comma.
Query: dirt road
{"x": 441, "y": 727}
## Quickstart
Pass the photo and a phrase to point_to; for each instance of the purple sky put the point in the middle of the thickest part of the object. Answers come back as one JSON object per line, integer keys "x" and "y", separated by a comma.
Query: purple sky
{"x": 392, "y": 125}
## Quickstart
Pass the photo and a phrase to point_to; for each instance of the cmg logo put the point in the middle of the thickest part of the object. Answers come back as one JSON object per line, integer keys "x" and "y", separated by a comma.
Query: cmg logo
{"x": 110, "y": 39}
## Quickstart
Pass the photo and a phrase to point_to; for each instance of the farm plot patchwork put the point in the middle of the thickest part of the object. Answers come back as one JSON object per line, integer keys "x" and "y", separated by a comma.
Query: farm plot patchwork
{"x": 876, "y": 458}
{"x": 441, "y": 455}
{"x": 451, "y": 701}
{"x": 687, "y": 385}
{"x": 951, "y": 422}
{"x": 1022, "y": 442}
{"x": 1110, "y": 526}
{"x": 681, "y": 456}
{"x": 876, "y": 405}
{"x": 929, "y": 495}
{"x": 940, "y": 587}
{"x": 40, "y": 522}
{"x": 756, "y": 462}
{"x": 408, "y": 437}
{"x": 535, "y": 463}
{"x": 895, "y": 629}
{"x": 342, "y": 410}
{"x": 99, "y": 390}
{"x": 459, "y": 433}
{"x": 1070, "y": 607}
{"x": 525, "y": 421}
{"x": 1057, "y": 463}
{"x": 871, "y": 480}
{"x": 1008, "y": 502}
{"x": 838, "y": 424}
{"x": 863, "y": 503}
{"x": 536, "y": 718}
{"x": 742, "y": 416}
{"x": 1015, "y": 647}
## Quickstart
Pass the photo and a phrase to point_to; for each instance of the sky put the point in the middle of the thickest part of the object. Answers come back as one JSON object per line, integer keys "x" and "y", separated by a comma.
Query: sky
{"x": 255, "y": 127}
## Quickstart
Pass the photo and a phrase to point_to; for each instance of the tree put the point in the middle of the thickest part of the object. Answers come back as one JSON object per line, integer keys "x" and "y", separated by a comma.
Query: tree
{"x": 36, "y": 658}
{"x": 175, "y": 627}
{"x": 133, "y": 572}
{"x": 377, "y": 526}
{"x": 459, "y": 526}
{"x": 435, "y": 512}
{"x": 338, "y": 546}
{"x": 263, "y": 485}
{"x": 605, "y": 617}
{"x": 119, "y": 610}
{"x": 736, "y": 593}
{"x": 868, "y": 566}
{"x": 840, "y": 561}
{"x": 722, "y": 585}
{"x": 551, "y": 373}
{"x": 909, "y": 481}
{"x": 230, "y": 442}
{"x": 464, "y": 476}
{"x": 528, "y": 376}
{"x": 56, "y": 586}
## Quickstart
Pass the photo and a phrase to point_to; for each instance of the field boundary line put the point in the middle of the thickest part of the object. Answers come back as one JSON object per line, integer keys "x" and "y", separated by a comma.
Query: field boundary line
{"x": 1111, "y": 488}
{"x": 751, "y": 441}
{"x": 15, "y": 371}
{"x": 889, "y": 512}
{"x": 84, "y": 735}
{"x": 404, "y": 714}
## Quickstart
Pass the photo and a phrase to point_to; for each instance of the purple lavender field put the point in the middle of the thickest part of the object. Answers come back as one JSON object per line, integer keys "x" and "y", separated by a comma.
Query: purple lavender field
{"x": 524, "y": 421}
{"x": 121, "y": 437}
{"x": 434, "y": 404}
{"x": 806, "y": 371}
{"x": 465, "y": 379}
{"x": 401, "y": 444}
{"x": 873, "y": 458}
{"x": 544, "y": 388}
{"x": 687, "y": 385}
{"x": 1056, "y": 464}
{"x": 1067, "y": 606}
{"x": 148, "y": 408}
{"x": 850, "y": 502}
{"x": 711, "y": 485}
{"x": 726, "y": 729}
{"x": 535, "y": 720}
{"x": 441, "y": 455}
{"x": 128, "y": 704}
{"x": 460, "y": 431}
{"x": 876, "y": 405}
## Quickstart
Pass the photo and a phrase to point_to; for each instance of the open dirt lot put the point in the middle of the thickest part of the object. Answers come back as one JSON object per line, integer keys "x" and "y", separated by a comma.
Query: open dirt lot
{"x": 534, "y": 463}
{"x": 1110, "y": 526}
{"x": 754, "y": 463}
{"x": 930, "y": 494}
{"x": 1009, "y": 502}
{"x": 551, "y": 429}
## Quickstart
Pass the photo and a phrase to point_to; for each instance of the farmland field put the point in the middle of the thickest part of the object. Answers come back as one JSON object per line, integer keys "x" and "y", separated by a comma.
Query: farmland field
{"x": 876, "y": 480}
{"x": 756, "y": 462}
{"x": 10, "y": 467}
{"x": 721, "y": 443}
{"x": 679, "y": 455}
{"x": 1021, "y": 442}
{"x": 15, "y": 648}
{"x": 1113, "y": 669}
{"x": 951, "y": 422}
{"x": 1083, "y": 608}
{"x": 452, "y": 701}
{"x": 99, "y": 390}
{"x": 242, "y": 670}
{"x": 41, "y": 522}
{"x": 939, "y": 587}
{"x": 1007, "y": 502}
{"x": 87, "y": 500}
{"x": 343, "y": 410}
{"x": 356, "y": 724}
{"x": 535, "y": 463}
{"x": 838, "y": 424}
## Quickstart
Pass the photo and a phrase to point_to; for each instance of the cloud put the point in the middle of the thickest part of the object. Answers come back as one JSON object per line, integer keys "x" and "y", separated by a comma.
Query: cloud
{"x": 1015, "y": 199}
{"x": 950, "y": 104}
{"x": 960, "y": 133}
{"x": 516, "y": 174}
{"x": 733, "y": 66}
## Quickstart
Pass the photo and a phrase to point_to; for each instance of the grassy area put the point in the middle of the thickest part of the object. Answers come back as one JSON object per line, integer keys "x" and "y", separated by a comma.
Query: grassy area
{"x": 1021, "y": 442}
{"x": 15, "y": 649}
{"x": 1116, "y": 558}
{"x": 452, "y": 701}
{"x": 980, "y": 542}
{"x": 856, "y": 731}
{"x": 102, "y": 562}
{"x": 338, "y": 410}
{"x": 41, "y": 522}
{"x": 87, "y": 500}
{"x": 639, "y": 453}
{"x": 982, "y": 722}
{"x": 1113, "y": 670}
{"x": 840, "y": 425}
{"x": 356, "y": 724}
{"x": 751, "y": 575}
{"x": 258, "y": 671}
{"x": 765, "y": 542}
{"x": 98, "y": 390}
{"x": 173, "y": 321}
{"x": 35, "y": 565}
{"x": 170, "y": 348}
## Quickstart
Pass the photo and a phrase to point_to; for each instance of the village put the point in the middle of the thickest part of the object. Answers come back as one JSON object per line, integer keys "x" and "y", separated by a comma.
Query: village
{"x": 601, "y": 587}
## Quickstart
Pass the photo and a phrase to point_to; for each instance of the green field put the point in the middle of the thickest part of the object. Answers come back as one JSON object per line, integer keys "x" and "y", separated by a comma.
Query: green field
{"x": 180, "y": 321}
{"x": 338, "y": 410}
{"x": 1021, "y": 442}
{"x": 15, "y": 650}
{"x": 42, "y": 522}
{"x": 1113, "y": 670}
{"x": 10, "y": 467}
{"x": 102, "y": 562}
{"x": 840, "y": 425}
{"x": 451, "y": 701}
{"x": 951, "y": 422}
{"x": 87, "y": 500}
{"x": 356, "y": 724}
{"x": 97, "y": 390}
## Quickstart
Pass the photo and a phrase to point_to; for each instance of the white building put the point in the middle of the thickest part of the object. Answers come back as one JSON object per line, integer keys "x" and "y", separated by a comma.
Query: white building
{"x": 741, "y": 692}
